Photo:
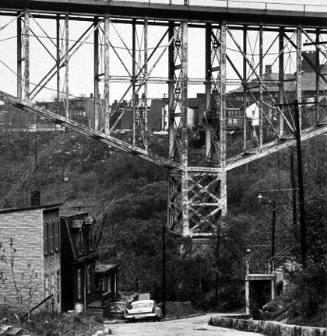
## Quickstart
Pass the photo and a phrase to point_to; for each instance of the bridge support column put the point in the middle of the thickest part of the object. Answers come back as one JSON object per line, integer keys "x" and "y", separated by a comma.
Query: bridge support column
{"x": 19, "y": 57}
{"x": 133, "y": 80}
{"x": 96, "y": 74}
{"x": 23, "y": 56}
{"x": 27, "y": 55}
{"x": 222, "y": 117}
{"x": 299, "y": 72}
{"x": 261, "y": 106}
{"x": 197, "y": 195}
{"x": 318, "y": 73}
{"x": 213, "y": 91}
{"x": 66, "y": 96}
{"x": 144, "y": 117}
{"x": 58, "y": 41}
{"x": 281, "y": 81}
{"x": 178, "y": 137}
{"x": 244, "y": 84}
{"x": 106, "y": 95}
{"x": 139, "y": 82}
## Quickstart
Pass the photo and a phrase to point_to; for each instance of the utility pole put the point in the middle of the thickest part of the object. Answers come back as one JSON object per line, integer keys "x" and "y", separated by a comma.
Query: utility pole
{"x": 217, "y": 261}
{"x": 293, "y": 184}
{"x": 163, "y": 270}
{"x": 300, "y": 182}
{"x": 273, "y": 234}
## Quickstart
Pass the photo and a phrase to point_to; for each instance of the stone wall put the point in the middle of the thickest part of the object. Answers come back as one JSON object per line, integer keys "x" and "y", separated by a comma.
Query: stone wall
{"x": 269, "y": 328}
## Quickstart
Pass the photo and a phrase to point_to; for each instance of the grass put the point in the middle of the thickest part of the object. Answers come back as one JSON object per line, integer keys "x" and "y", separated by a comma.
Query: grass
{"x": 46, "y": 324}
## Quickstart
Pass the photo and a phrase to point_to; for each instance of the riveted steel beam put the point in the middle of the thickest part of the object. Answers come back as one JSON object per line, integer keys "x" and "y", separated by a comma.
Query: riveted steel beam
{"x": 106, "y": 60}
{"x": 96, "y": 77}
{"x": 281, "y": 80}
{"x": 66, "y": 96}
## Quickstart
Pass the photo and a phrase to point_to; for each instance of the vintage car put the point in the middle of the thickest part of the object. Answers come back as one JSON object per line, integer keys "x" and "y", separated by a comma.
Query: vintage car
{"x": 115, "y": 309}
{"x": 142, "y": 309}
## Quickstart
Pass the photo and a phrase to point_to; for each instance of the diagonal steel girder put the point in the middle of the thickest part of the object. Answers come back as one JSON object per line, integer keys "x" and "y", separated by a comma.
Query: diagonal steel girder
{"x": 104, "y": 138}
{"x": 274, "y": 146}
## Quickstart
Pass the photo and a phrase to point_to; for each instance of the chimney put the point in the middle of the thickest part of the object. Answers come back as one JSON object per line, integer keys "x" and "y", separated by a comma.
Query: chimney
{"x": 35, "y": 198}
{"x": 268, "y": 68}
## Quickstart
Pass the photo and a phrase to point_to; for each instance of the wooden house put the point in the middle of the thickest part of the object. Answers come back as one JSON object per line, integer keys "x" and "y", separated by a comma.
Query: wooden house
{"x": 84, "y": 280}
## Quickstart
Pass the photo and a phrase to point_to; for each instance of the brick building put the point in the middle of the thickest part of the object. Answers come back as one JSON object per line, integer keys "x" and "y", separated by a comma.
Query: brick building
{"x": 30, "y": 238}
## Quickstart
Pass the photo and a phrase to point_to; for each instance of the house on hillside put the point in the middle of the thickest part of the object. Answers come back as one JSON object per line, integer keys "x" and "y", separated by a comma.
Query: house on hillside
{"x": 84, "y": 279}
{"x": 272, "y": 88}
{"x": 30, "y": 239}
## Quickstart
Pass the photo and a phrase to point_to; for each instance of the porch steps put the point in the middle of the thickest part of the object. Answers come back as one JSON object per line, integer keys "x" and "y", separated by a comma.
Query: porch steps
{"x": 95, "y": 308}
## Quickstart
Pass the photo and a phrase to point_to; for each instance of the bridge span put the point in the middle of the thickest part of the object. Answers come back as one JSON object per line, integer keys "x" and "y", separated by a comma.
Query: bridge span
{"x": 190, "y": 10}
{"x": 258, "y": 62}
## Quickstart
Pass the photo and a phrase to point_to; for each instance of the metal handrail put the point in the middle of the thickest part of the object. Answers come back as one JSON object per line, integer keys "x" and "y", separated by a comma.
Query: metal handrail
{"x": 265, "y": 5}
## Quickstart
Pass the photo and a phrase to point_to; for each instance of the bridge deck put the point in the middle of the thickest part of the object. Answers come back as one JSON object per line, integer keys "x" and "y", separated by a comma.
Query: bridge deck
{"x": 166, "y": 11}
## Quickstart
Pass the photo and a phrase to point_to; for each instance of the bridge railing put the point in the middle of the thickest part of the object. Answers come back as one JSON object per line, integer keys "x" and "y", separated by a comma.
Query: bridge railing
{"x": 251, "y": 4}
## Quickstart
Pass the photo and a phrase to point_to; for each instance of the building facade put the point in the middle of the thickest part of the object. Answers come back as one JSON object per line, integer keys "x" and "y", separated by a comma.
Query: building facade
{"x": 30, "y": 267}
{"x": 84, "y": 280}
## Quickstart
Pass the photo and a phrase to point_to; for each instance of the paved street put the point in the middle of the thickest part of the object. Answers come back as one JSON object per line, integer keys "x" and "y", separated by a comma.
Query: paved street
{"x": 197, "y": 326}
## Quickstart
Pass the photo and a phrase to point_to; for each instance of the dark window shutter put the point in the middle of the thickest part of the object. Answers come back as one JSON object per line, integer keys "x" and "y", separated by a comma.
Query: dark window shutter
{"x": 57, "y": 238}
{"x": 51, "y": 237}
{"x": 46, "y": 241}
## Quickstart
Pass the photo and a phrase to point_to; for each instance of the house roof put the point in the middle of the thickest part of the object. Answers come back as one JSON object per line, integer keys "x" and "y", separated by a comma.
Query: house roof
{"x": 41, "y": 207}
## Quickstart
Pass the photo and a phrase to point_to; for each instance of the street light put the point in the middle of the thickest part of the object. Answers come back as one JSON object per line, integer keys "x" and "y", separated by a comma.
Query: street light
{"x": 272, "y": 204}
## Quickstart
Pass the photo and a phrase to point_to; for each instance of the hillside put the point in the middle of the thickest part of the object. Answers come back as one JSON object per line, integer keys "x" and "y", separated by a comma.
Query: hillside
{"x": 128, "y": 196}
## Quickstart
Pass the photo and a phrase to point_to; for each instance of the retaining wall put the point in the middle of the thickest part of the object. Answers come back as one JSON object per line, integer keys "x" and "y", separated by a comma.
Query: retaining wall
{"x": 269, "y": 328}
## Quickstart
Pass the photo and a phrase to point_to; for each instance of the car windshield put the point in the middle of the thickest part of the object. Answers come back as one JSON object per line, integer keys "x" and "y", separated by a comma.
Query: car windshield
{"x": 142, "y": 305}
{"x": 118, "y": 304}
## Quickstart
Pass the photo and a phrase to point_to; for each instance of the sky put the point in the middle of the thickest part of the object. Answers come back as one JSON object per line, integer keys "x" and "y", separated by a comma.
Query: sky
{"x": 81, "y": 65}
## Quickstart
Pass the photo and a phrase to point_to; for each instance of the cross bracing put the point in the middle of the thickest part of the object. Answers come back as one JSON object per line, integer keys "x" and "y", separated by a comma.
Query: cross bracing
{"x": 255, "y": 66}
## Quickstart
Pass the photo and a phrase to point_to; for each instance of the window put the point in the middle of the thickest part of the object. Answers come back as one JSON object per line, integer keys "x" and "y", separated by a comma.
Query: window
{"x": 115, "y": 283}
{"x": 46, "y": 286}
{"x": 51, "y": 237}
{"x": 89, "y": 279}
{"x": 79, "y": 284}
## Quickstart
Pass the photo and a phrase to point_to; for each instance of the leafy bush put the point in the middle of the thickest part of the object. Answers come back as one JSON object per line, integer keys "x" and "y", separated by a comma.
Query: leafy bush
{"x": 311, "y": 290}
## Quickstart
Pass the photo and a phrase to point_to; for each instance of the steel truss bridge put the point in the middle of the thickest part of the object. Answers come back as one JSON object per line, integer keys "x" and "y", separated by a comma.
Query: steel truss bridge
{"x": 239, "y": 42}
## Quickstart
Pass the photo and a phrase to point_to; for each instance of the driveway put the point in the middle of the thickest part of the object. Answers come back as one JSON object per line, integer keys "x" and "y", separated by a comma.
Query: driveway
{"x": 197, "y": 326}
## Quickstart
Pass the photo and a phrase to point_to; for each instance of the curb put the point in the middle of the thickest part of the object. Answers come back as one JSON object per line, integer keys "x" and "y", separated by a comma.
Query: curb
{"x": 269, "y": 328}
{"x": 174, "y": 318}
